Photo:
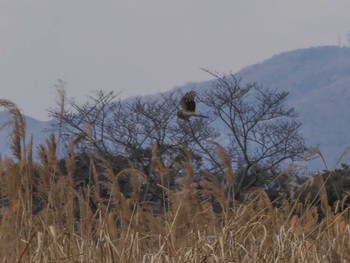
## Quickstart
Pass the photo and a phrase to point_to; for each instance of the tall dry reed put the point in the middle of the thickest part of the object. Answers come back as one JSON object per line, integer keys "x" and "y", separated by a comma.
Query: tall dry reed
{"x": 45, "y": 216}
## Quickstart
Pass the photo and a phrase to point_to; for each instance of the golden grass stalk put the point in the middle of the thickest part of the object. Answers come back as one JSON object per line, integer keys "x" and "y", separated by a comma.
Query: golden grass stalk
{"x": 80, "y": 224}
{"x": 18, "y": 124}
{"x": 61, "y": 91}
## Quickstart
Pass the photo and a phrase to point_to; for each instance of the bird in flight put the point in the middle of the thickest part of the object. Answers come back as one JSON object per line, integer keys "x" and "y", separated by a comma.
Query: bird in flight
{"x": 188, "y": 107}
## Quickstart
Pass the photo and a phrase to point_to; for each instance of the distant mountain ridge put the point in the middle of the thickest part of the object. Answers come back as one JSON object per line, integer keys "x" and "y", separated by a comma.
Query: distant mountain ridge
{"x": 40, "y": 131}
{"x": 318, "y": 80}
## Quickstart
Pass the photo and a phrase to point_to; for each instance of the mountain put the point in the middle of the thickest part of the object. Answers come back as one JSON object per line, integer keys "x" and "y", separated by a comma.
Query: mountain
{"x": 38, "y": 129}
{"x": 318, "y": 80}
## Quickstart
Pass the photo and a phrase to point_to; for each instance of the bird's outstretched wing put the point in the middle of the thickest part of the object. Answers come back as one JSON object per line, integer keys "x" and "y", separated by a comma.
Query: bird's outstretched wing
{"x": 187, "y": 101}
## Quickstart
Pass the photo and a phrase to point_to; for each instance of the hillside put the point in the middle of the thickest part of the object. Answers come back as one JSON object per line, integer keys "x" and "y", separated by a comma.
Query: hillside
{"x": 38, "y": 129}
{"x": 318, "y": 80}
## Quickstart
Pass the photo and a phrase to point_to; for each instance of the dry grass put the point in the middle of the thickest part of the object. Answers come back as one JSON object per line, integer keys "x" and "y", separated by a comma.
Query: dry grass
{"x": 123, "y": 229}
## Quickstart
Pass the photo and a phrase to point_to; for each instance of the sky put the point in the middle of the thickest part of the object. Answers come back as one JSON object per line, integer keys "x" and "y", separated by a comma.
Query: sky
{"x": 139, "y": 47}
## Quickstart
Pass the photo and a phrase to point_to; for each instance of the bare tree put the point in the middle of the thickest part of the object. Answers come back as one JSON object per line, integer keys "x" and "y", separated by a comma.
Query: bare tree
{"x": 85, "y": 122}
{"x": 130, "y": 128}
{"x": 263, "y": 132}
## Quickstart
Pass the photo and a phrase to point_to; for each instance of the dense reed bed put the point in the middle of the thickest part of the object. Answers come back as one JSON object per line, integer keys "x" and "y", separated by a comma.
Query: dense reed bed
{"x": 45, "y": 216}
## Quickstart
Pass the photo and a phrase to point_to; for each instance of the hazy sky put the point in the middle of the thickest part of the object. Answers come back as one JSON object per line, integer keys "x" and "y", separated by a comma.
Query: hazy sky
{"x": 140, "y": 47}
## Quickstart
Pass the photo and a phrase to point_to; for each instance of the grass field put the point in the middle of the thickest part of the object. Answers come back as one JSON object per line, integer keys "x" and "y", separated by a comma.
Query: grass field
{"x": 125, "y": 229}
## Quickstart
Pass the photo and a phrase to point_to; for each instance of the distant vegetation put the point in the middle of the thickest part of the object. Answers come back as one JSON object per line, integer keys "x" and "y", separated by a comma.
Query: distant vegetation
{"x": 138, "y": 185}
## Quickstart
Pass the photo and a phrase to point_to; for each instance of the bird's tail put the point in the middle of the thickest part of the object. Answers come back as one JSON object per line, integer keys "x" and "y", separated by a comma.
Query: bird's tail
{"x": 201, "y": 116}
